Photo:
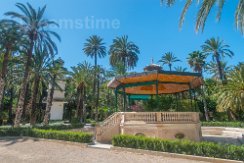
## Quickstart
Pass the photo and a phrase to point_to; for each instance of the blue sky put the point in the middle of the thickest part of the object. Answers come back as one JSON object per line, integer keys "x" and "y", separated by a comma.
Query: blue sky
{"x": 152, "y": 27}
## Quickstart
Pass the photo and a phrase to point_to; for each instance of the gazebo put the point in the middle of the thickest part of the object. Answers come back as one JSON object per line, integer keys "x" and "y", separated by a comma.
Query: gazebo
{"x": 145, "y": 84}
{"x": 166, "y": 125}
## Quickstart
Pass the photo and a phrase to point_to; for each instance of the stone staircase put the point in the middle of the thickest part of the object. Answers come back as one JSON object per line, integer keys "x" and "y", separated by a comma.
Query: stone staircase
{"x": 108, "y": 128}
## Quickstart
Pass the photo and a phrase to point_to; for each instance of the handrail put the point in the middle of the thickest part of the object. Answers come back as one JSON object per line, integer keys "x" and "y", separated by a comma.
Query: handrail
{"x": 112, "y": 120}
{"x": 162, "y": 117}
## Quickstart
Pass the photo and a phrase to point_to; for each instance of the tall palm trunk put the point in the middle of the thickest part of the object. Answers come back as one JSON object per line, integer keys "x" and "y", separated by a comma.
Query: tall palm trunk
{"x": 95, "y": 85}
{"x": 20, "y": 105}
{"x": 170, "y": 67}
{"x": 11, "y": 105}
{"x": 84, "y": 106}
{"x": 95, "y": 76}
{"x": 221, "y": 73}
{"x": 49, "y": 102}
{"x": 205, "y": 107}
{"x": 97, "y": 98}
{"x": 26, "y": 102}
{"x": 124, "y": 63}
{"x": 3, "y": 74}
{"x": 34, "y": 99}
{"x": 79, "y": 107}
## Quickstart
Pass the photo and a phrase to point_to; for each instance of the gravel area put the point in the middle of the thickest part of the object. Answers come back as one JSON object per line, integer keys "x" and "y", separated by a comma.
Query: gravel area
{"x": 24, "y": 150}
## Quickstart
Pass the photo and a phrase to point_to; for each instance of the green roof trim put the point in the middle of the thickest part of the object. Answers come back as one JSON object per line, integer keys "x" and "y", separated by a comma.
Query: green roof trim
{"x": 139, "y": 97}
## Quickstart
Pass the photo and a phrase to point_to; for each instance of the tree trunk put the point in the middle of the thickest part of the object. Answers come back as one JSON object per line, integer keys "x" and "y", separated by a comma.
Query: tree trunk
{"x": 79, "y": 107}
{"x": 11, "y": 105}
{"x": 124, "y": 62}
{"x": 34, "y": 99}
{"x": 49, "y": 102}
{"x": 20, "y": 105}
{"x": 231, "y": 115}
{"x": 220, "y": 69}
{"x": 97, "y": 98}
{"x": 204, "y": 98}
{"x": 26, "y": 102}
{"x": 40, "y": 106}
{"x": 84, "y": 104}
{"x": 3, "y": 75}
{"x": 95, "y": 76}
{"x": 170, "y": 67}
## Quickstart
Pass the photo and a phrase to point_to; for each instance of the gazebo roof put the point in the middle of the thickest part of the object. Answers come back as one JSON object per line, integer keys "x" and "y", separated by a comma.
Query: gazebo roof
{"x": 156, "y": 82}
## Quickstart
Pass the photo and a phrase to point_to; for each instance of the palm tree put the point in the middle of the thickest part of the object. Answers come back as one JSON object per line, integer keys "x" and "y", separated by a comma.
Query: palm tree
{"x": 168, "y": 59}
{"x": 36, "y": 30}
{"x": 197, "y": 62}
{"x": 180, "y": 69}
{"x": 81, "y": 76}
{"x": 117, "y": 70}
{"x": 218, "y": 50}
{"x": 123, "y": 51}
{"x": 205, "y": 7}
{"x": 212, "y": 68}
{"x": 94, "y": 47}
{"x": 231, "y": 95}
{"x": 12, "y": 82}
{"x": 41, "y": 65}
{"x": 10, "y": 36}
{"x": 56, "y": 72}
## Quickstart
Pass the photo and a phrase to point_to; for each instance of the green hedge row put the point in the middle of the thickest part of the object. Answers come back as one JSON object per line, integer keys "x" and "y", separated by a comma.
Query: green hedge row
{"x": 224, "y": 124}
{"x": 52, "y": 126}
{"x": 61, "y": 127}
{"x": 48, "y": 134}
{"x": 205, "y": 149}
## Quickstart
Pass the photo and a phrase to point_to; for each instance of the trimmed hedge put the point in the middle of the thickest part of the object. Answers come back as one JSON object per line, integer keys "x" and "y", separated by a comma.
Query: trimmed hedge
{"x": 61, "y": 127}
{"x": 224, "y": 124}
{"x": 205, "y": 149}
{"x": 61, "y": 135}
{"x": 10, "y": 131}
{"x": 48, "y": 134}
{"x": 52, "y": 126}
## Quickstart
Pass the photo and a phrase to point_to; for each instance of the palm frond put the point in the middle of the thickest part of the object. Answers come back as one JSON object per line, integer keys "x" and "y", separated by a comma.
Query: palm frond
{"x": 183, "y": 13}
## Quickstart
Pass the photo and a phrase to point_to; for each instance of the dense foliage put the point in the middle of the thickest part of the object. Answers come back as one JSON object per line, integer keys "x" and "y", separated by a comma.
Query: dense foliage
{"x": 224, "y": 124}
{"x": 205, "y": 149}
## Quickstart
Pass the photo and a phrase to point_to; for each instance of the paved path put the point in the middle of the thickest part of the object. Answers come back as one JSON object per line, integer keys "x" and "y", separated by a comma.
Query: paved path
{"x": 25, "y": 150}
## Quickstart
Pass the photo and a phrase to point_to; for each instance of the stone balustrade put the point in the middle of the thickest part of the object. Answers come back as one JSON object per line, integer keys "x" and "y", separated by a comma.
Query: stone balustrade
{"x": 162, "y": 117}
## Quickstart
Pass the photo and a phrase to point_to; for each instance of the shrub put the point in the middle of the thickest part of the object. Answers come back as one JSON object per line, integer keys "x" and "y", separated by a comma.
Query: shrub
{"x": 48, "y": 134}
{"x": 92, "y": 122}
{"x": 61, "y": 126}
{"x": 206, "y": 149}
{"x": 61, "y": 135}
{"x": 13, "y": 131}
{"x": 224, "y": 124}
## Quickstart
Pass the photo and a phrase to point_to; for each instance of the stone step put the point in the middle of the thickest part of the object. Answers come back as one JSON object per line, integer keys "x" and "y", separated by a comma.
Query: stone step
{"x": 100, "y": 146}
